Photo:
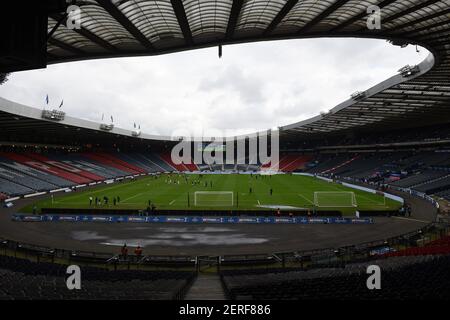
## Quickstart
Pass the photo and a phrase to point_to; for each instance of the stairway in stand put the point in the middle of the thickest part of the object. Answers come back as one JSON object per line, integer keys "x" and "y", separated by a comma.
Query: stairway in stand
{"x": 206, "y": 287}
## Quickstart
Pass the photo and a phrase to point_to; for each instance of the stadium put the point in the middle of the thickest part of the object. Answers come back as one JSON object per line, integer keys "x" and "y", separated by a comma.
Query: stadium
{"x": 367, "y": 183}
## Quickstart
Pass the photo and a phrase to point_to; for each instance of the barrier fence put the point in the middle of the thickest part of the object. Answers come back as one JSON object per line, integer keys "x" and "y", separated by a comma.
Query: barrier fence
{"x": 186, "y": 219}
{"x": 297, "y": 259}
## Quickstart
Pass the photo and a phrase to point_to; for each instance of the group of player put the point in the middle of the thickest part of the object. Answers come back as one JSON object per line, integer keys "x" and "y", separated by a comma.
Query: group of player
{"x": 103, "y": 201}
{"x": 176, "y": 179}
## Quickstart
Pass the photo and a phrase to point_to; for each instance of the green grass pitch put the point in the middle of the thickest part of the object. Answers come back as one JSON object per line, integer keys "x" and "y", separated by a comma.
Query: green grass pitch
{"x": 176, "y": 191}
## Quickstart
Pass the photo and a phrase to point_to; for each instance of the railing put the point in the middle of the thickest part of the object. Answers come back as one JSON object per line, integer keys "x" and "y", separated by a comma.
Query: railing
{"x": 311, "y": 258}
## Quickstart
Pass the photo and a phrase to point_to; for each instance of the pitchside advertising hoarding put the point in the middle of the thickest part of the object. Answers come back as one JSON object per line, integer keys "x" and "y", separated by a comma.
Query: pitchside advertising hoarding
{"x": 182, "y": 219}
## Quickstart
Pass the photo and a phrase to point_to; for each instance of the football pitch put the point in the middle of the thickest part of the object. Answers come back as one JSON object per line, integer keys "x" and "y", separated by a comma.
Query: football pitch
{"x": 223, "y": 192}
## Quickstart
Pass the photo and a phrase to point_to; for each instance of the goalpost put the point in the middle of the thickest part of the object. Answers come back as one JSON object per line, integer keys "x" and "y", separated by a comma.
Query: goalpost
{"x": 214, "y": 198}
{"x": 335, "y": 199}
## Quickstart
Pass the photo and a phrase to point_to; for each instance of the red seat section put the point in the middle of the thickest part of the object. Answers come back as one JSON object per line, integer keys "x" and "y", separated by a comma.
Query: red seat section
{"x": 289, "y": 163}
{"x": 445, "y": 241}
{"x": 109, "y": 162}
{"x": 89, "y": 175}
{"x": 191, "y": 166}
{"x": 121, "y": 162}
{"x": 420, "y": 251}
{"x": 46, "y": 168}
{"x": 440, "y": 246}
{"x": 168, "y": 159}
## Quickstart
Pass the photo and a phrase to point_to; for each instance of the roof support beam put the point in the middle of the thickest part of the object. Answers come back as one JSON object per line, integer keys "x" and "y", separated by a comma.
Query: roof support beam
{"x": 234, "y": 15}
{"x": 323, "y": 15}
{"x": 410, "y": 10}
{"x": 426, "y": 18}
{"x": 178, "y": 8}
{"x": 89, "y": 35}
{"x": 280, "y": 16}
{"x": 406, "y": 12}
{"x": 65, "y": 46}
{"x": 431, "y": 26}
{"x": 125, "y": 22}
{"x": 434, "y": 34}
{"x": 360, "y": 16}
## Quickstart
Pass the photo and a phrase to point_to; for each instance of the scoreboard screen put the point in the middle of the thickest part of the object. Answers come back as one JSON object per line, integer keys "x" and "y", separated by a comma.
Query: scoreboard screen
{"x": 211, "y": 147}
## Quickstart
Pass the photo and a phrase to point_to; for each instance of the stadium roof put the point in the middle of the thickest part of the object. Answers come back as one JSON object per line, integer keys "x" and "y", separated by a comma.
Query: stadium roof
{"x": 140, "y": 27}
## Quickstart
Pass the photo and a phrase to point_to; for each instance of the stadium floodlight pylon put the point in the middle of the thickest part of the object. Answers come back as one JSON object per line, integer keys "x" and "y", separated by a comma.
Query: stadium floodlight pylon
{"x": 335, "y": 199}
{"x": 214, "y": 198}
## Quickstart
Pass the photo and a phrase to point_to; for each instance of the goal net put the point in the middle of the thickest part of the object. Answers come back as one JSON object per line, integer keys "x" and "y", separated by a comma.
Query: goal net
{"x": 338, "y": 199}
{"x": 214, "y": 198}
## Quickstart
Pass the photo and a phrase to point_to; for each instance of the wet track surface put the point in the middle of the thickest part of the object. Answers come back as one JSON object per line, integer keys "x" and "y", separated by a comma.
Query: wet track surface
{"x": 206, "y": 239}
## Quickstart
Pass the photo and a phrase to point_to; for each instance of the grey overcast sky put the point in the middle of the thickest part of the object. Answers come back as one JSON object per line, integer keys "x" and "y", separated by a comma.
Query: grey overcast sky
{"x": 254, "y": 86}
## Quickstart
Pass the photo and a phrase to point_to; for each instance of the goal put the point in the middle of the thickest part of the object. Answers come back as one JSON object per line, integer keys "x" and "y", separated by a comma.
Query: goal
{"x": 214, "y": 198}
{"x": 337, "y": 199}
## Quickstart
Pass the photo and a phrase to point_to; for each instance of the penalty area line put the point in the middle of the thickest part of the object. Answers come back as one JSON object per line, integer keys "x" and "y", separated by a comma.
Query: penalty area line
{"x": 306, "y": 198}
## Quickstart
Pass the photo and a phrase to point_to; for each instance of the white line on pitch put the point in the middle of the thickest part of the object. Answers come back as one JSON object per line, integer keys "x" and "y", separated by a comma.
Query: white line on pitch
{"x": 136, "y": 195}
{"x": 306, "y": 198}
{"x": 259, "y": 203}
{"x": 171, "y": 202}
{"x": 402, "y": 218}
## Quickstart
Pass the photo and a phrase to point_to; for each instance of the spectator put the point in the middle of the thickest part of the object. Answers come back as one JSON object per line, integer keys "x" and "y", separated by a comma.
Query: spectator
{"x": 124, "y": 252}
{"x": 138, "y": 252}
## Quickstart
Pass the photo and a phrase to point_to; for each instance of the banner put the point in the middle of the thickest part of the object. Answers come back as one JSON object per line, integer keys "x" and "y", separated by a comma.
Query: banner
{"x": 185, "y": 219}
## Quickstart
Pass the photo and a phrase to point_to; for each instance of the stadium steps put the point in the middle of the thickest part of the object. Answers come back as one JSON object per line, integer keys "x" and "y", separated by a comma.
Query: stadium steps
{"x": 206, "y": 287}
{"x": 114, "y": 157}
{"x": 64, "y": 166}
{"x": 25, "y": 180}
{"x": 156, "y": 167}
{"x": 53, "y": 181}
{"x": 46, "y": 168}
{"x": 13, "y": 189}
{"x": 76, "y": 161}
{"x": 340, "y": 165}
{"x": 15, "y": 181}
{"x": 109, "y": 162}
{"x": 430, "y": 181}
{"x": 192, "y": 166}
{"x": 135, "y": 160}
{"x": 296, "y": 162}
{"x": 166, "y": 157}
{"x": 102, "y": 169}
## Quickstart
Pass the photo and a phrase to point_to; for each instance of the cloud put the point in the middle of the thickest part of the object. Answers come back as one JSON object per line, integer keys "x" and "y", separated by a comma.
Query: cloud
{"x": 253, "y": 87}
